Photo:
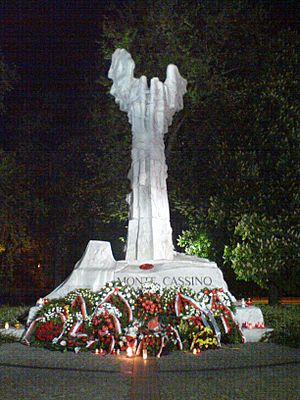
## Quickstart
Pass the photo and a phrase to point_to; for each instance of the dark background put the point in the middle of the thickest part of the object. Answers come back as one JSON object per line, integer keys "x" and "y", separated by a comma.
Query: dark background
{"x": 53, "y": 47}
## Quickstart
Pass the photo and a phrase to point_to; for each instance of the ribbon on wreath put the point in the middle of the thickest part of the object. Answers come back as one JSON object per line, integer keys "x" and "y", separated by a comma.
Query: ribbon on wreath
{"x": 28, "y": 334}
{"x": 75, "y": 328}
{"x": 90, "y": 343}
{"x": 162, "y": 345}
{"x": 116, "y": 292}
{"x": 215, "y": 326}
{"x": 180, "y": 298}
{"x": 226, "y": 311}
{"x": 131, "y": 341}
{"x": 81, "y": 302}
{"x": 230, "y": 313}
{"x": 112, "y": 344}
{"x": 118, "y": 330}
{"x": 116, "y": 323}
{"x": 177, "y": 336}
{"x": 213, "y": 305}
{"x": 225, "y": 323}
{"x": 139, "y": 348}
{"x": 26, "y": 338}
{"x": 111, "y": 338}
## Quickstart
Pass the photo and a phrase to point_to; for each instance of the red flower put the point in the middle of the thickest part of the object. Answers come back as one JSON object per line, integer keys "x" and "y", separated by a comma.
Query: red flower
{"x": 47, "y": 331}
{"x": 146, "y": 266}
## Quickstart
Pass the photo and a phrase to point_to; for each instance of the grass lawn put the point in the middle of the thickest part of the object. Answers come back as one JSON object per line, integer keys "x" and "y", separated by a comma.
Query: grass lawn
{"x": 12, "y": 315}
{"x": 285, "y": 320}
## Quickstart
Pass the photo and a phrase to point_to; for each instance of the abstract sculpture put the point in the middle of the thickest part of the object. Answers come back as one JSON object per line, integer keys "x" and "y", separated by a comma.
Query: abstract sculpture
{"x": 150, "y": 112}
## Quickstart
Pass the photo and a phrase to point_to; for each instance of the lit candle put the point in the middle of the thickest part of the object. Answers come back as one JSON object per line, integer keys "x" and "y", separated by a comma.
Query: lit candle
{"x": 118, "y": 351}
{"x": 195, "y": 351}
{"x": 97, "y": 351}
{"x": 129, "y": 352}
{"x": 145, "y": 355}
{"x": 6, "y": 326}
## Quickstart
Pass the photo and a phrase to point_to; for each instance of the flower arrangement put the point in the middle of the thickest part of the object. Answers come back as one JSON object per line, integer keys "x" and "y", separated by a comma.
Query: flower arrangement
{"x": 203, "y": 339}
{"x": 149, "y": 318}
{"x": 121, "y": 296}
{"x": 147, "y": 306}
{"x": 47, "y": 331}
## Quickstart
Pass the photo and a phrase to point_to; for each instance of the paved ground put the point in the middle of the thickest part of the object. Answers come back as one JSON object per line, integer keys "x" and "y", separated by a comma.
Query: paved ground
{"x": 241, "y": 372}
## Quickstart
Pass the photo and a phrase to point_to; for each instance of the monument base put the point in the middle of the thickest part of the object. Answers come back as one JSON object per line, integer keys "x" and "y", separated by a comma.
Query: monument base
{"x": 189, "y": 271}
{"x": 98, "y": 266}
{"x": 92, "y": 271}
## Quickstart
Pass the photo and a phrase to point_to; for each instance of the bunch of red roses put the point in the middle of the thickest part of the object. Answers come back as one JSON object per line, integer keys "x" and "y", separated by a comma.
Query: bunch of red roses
{"x": 47, "y": 331}
{"x": 148, "y": 305}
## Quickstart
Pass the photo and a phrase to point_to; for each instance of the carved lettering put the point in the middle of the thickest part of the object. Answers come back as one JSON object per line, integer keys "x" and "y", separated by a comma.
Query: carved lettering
{"x": 166, "y": 281}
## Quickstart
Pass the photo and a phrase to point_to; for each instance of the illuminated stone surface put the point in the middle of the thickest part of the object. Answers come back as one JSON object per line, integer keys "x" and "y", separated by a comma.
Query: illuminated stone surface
{"x": 92, "y": 271}
{"x": 150, "y": 112}
{"x": 97, "y": 266}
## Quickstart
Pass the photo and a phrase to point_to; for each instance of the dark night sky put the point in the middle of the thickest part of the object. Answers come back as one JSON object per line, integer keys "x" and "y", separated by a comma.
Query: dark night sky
{"x": 53, "y": 43}
{"x": 50, "y": 41}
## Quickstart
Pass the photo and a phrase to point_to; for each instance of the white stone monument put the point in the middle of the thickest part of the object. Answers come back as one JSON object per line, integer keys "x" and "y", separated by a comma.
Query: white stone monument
{"x": 149, "y": 242}
{"x": 150, "y": 112}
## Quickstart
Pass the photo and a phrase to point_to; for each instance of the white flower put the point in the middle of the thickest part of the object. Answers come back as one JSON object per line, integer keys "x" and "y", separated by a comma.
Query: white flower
{"x": 77, "y": 350}
{"x": 63, "y": 343}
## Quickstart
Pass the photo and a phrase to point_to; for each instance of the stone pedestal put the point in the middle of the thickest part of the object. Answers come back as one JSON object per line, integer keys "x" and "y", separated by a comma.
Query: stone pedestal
{"x": 189, "y": 271}
{"x": 92, "y": 271}
{"x": 98, "y": 266}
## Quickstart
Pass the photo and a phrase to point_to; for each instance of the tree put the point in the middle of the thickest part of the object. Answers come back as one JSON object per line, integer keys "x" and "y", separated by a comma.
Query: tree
{"x": 7, "y": 79}
{"x": 238, "y": 134}
{"x": 15, "y": 214}
{"x": 25, "y": 194}
{"x": 264, "y": 213}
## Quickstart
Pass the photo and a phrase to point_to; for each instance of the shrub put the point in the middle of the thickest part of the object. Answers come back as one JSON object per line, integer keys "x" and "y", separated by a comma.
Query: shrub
{"x": 285, "y": 320}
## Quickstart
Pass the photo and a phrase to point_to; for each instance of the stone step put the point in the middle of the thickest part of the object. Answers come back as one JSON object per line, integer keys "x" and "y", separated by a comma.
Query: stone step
{"x": 17, "y": 333}
{"x": 256, "y": 334}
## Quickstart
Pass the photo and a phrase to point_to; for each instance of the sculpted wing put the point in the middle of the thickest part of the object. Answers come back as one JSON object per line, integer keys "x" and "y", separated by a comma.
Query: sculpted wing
{"x": 121, "y": 73}
{"x": 175, "y": 88}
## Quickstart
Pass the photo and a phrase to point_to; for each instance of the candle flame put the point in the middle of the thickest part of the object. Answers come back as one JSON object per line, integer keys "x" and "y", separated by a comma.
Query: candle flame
{"x": 129, "y": 352}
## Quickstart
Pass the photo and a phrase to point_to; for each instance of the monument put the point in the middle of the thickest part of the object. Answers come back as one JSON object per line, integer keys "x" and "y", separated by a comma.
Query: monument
{"x": 150, "y": 112}
{"x": 149, "y": 253}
